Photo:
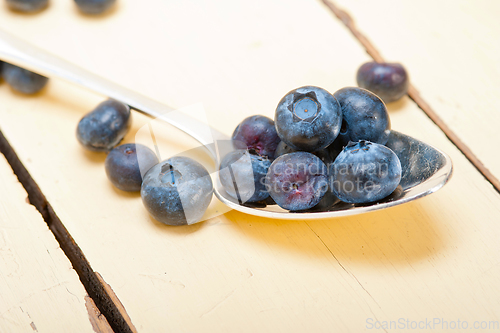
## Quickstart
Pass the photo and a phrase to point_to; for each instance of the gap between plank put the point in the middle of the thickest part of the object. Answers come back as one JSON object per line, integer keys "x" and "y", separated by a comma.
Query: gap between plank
{"x": 415, "y": 95}
{"x": 95, "y": 287}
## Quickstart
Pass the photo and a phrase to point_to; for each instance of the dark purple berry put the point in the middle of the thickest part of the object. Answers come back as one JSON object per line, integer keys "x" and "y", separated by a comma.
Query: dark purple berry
{"x": 257, "y": 134}
{"x": 297, "y": 181}
{"x": 389, "y": 81}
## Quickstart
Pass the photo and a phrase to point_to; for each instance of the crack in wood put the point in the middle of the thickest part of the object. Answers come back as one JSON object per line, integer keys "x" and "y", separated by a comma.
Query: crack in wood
{"x": 349, "y": 273}
{"x": 93, "y": 285}
{"x": 97, "y": 320}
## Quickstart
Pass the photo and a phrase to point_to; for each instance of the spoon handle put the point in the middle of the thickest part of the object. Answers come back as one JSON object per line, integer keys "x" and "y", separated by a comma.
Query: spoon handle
{"x": 23, "y": 54}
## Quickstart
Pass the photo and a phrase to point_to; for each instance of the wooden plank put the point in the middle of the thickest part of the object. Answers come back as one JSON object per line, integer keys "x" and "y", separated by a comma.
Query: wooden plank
{"x": 434, "y": 258}
{"x": 39, "y": 291}
{"x": 451, "y": 52}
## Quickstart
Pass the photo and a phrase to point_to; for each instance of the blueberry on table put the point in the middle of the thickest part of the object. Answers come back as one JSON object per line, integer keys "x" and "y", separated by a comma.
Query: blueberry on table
{"x": 94, "y": 7}
{"x": 177, "y": 191}
{"x": 365, "y": 172}
{"x": 256, "y": 133}
{"x": 364, "y": 115}
{"x": 126, "y": 164}
{"x": 389, "y": 81}
{"x": 22, "y": 80}
{"x": 297, "y": 181}
{"x": 105, "y": 126}
{"x": 243, "y": 175}
{"x": 308, "y": 118}
{"x": 27, "y": 6}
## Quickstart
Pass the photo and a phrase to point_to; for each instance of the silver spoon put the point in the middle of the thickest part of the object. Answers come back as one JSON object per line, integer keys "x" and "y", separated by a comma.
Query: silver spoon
{"x": 425, "y": 168}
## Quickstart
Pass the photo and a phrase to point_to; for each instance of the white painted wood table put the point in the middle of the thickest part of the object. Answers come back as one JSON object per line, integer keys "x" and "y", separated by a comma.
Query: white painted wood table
{"x": 433, "y": 262}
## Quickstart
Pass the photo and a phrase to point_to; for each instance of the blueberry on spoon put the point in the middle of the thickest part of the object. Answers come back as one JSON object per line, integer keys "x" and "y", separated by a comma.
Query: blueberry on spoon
{"x": 364, "y": 116}
{"x": 258, "y": 135}
{"x": 308, "y": 118}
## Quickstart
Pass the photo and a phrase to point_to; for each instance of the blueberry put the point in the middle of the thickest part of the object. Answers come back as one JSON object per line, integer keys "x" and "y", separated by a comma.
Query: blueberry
{"x": 125, "y": 163}
{"x": 27, "y": 6}
{"x": 365, "y": 172}
{"x": 177, "y": 191}
{"x": 389, "y": 81}
{"x": 325, "y": 155}
{"x": 243, "y": 175}
{"x": 365, "y": 116}
{"x": 105, "y": 126}
{"x": 297, "y": 181}
{"x": 94, "y": 6}
{"x": 256, "y": 133}
{"x": 308, "y": 118}
{"x": 22, "y": 80}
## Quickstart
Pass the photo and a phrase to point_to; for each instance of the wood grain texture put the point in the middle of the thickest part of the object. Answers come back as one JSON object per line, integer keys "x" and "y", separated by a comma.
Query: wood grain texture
{"x": 435, "y": 258}
{"x": 452, "y": 60}
{"x": 39, "y": 291}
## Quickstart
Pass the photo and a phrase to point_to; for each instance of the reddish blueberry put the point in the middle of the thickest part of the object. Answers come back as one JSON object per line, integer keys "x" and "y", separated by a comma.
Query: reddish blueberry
{"x": 297, "y": 181}
{"x": 389, "y": 81}
{"x": 257, "y": 134}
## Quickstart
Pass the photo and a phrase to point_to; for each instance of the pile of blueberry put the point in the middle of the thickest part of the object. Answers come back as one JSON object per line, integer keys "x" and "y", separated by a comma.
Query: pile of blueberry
{"x": 91, "y": 7}
{"x": 320, "y": 148}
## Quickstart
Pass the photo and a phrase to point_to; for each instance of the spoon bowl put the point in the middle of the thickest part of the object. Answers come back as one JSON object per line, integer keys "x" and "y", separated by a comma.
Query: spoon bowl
{"x": 425, "y": 170}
